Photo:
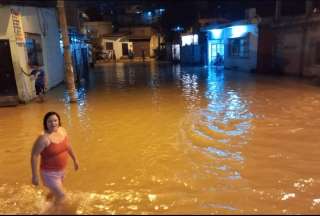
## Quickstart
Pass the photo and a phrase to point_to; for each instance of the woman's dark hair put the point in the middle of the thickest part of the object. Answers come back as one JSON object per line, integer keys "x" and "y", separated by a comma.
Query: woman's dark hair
{"x": 45, "y": 127}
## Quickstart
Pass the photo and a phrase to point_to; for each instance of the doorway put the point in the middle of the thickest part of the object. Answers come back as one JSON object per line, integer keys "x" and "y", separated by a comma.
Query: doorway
{"x": 175, "y": 52}
{"x": 8, "y": 84}
{"x": 125, "y": 49}
{"x": 215, "y": 46}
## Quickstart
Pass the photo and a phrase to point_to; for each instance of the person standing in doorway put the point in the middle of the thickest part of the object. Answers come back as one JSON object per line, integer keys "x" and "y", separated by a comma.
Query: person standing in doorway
{"x": 54, "y": 149}
{"x": 40, "y": 81}
{"x": 218, "y": 61}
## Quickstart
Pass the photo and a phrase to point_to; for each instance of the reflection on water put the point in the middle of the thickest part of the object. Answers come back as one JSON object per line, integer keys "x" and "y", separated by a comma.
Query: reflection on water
{"x": 217, "y": 130}
{"x": 160, "y": 138}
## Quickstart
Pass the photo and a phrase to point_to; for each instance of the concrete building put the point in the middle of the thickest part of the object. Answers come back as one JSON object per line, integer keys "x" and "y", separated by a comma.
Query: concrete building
{"x": 138, "y": 40}
{"x": 140, "y": 37}
{"x": 236, "y": 42}
{"x": 28, "y": 35}
{"x": 145, "y": 40}
{"x": 291, "y": 44}
{"x": 191, "y": 50}
{"x": 116, "y": 48}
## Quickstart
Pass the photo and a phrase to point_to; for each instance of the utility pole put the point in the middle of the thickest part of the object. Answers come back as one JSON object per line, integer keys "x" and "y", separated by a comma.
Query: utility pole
{"x": 305, "y": 25}
{"x": 278, "y": 10}
{"x": 69, "y": 76}
{"x": 277, "y": 55}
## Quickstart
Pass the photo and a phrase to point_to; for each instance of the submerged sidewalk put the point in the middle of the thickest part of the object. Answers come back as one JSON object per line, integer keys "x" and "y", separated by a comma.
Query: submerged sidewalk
{"x": 8, "y": 101}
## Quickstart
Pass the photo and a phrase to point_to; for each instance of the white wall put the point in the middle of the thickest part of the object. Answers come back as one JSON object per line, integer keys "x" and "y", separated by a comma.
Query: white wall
{"x": 242, "y": 63}
{"x": 154, "y": 43}
{"x": 52, "y": 56}
{"x": 18, "y": 55}
{"x": 118, "y": 49}
{"x": 117, "y": 46}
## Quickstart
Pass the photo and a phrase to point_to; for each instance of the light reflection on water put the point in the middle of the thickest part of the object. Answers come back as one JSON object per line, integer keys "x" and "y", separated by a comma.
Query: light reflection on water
{"x": 219, "y": 129}
{"x": 160, "y": 138}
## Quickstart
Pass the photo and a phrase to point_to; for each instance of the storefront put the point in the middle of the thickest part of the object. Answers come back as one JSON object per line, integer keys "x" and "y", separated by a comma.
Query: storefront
{"x": 236, "y": 43}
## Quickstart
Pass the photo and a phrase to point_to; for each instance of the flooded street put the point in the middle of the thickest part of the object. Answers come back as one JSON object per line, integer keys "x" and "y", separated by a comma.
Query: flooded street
{"x": 165, "y": 139}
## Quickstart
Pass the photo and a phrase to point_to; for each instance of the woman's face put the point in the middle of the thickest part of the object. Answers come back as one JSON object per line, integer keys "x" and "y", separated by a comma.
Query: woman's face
{"x": 52, "y": 123}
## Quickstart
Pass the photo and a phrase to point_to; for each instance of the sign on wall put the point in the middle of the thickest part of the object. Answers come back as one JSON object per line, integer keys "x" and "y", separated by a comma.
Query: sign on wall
{"x": 17, "y": 26}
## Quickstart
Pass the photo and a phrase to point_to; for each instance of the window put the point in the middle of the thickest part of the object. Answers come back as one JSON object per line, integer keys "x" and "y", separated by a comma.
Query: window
{"x": 239, "y": 47}
{"x": 34, "y": 49}
{"x": 109, "y": 45}
{"x": 189, "y": 40}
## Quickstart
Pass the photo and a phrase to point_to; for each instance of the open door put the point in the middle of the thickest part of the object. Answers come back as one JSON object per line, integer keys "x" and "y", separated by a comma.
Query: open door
{"x": 8, "y": 85}
{"x": 215, "y": 47}
{"x": 125, "y": 49}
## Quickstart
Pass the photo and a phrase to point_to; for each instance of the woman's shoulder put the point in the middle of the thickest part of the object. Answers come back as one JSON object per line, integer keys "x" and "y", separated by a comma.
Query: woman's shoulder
{"x": 43, "y": 139}
{"x": 63, "y": 130}
{"x": 42, "y": 135}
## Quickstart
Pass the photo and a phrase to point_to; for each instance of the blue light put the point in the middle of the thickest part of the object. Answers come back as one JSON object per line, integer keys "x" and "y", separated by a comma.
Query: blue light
{"x": 149, "y": 13}
{"x": 238, "y": 31}
{"x": 216, "y": 33}
{"x": 177, "y": 29}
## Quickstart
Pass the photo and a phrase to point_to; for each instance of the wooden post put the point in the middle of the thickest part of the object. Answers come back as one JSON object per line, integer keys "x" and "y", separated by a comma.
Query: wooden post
{"x": 69, "y": 75}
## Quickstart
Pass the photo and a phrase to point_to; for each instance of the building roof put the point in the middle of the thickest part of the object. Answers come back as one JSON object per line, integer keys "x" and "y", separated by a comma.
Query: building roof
{"x": 225, "y": 25}
{"x": 135, "y": 38}
{"x": 116, "y": 35}
{"x": 126, "y": 35}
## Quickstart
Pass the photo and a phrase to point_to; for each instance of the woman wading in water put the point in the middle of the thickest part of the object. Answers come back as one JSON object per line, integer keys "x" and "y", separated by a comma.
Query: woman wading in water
{"x": 54, "y": 149}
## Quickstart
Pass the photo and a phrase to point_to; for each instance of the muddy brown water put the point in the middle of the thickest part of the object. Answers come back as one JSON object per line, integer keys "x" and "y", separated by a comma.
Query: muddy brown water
{"x": 165, "y": 139}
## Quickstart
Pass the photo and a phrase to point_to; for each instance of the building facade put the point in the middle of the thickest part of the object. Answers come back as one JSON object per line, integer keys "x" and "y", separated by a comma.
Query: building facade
{"x": 191, "y": 50}
{"x": 236, "y": 43}
{"x": 291, "y": 45}
{"x": 116, "y": 48}
{"x": 29, "y": 35}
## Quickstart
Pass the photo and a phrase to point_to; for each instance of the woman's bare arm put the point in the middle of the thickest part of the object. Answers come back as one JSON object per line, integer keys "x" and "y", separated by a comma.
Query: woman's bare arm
{"x": 70, "y": 151}
{"x": 74, "y": 158}
{"x": 37, "y": 148}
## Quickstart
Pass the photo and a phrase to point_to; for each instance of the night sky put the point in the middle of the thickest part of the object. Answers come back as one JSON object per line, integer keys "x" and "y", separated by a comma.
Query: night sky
{"x": 229, "y": 9}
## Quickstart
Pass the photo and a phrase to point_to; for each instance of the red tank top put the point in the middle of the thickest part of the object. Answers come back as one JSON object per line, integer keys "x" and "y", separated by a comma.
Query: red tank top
{"x": 55, "y": 156}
